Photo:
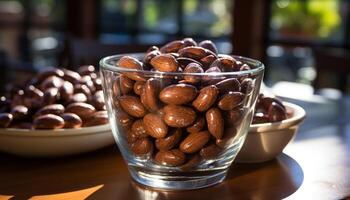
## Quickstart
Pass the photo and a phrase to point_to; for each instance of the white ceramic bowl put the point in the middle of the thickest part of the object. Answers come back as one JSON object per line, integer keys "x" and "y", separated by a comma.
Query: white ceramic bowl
{"x": 267, "y": 140}
{"x": 47, "y": 143}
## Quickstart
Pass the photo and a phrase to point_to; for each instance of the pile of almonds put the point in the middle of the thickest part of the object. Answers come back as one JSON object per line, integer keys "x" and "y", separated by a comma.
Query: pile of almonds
{"x": 269, "y": 109}
{"x": 182, "y": 119}
{"x": 55, "y": 99}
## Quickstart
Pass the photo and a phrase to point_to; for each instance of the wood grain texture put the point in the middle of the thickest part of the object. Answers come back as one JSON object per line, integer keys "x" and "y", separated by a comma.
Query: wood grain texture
{"x": 315, "y": 166}
{"x": 103, "y": 175}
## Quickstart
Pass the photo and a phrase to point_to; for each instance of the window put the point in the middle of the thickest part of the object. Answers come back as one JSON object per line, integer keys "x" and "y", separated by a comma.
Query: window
{"x": 32, "y": 30}
{"x": 298, "y": 25}
{"x": 157, "y": 21}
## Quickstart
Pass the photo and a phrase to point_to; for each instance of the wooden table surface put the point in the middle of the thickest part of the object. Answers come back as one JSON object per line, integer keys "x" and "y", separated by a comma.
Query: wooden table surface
{"x": 316, "y": 165}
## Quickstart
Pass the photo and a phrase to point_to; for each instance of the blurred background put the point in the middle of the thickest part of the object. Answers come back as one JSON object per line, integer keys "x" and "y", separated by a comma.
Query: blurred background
{"x": 302, "y": 42}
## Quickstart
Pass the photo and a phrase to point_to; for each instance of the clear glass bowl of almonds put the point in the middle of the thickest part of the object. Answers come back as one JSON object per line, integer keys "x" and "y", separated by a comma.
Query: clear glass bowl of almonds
{"x": 180, "y": 113}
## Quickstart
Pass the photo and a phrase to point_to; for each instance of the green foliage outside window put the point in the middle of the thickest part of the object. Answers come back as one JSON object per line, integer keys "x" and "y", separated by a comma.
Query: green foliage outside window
{"x": 311, "y": 18}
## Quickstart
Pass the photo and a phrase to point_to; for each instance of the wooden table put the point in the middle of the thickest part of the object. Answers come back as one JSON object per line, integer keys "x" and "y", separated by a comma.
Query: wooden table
{"x": 314, "y": 166}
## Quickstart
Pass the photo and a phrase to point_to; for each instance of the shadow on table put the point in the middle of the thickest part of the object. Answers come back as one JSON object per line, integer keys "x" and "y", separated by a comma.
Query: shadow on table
{"x": 276, "y": 179}
{"x": 23, "y": 178}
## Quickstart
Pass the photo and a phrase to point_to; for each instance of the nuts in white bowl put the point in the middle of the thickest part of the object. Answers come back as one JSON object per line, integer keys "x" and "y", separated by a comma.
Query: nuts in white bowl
{"x": 265, "y": 141}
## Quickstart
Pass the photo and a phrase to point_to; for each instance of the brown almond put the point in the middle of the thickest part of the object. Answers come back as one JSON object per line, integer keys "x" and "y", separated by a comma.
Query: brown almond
{"x": 149, "y": 94}
{"x": 189, "y": 42}
{"x": 197, "y": 126}
{"x": 131, "y": 63}
{"x": 51, "y": 95}
{"x": 126, "y": 84}
{"x": 50, "y": 71}
{"x": 96, "y": 119}
{"x": 142, "y": 146}
{"x": 225, "y": 63}
{"x": 5, "y": 120}
{"x": 138, "y": 128}
{"x": 132, "y": 105}
{"x": 183, "y": 62}
{"x": 90, "y": 85}
{"x": 247, "y": 86}
{"x": 78, "y": 98}
{"x": 138, "y": 87}
{"x": 231, "y": 100}
{"x": 32, "y": 97}
{"x": 179, "y": 116}
{"x": 170, "y": 158}
{"x": 148, "y": 57}
{"x": 173, "y": 46}
{"x": 71, "y": 120}
{"x": 206, "y": 98}
{"x": 213, "y": 77}
{"x": 97, "y": 83}
{"x": 131, "y": 137}
{"x": 193, "y": 68}
{"x": 81, "y": 88}
{"x": 194, "y": 52}
{"x": 98, "y": 101}
{"x": 210, "y": 152}
{"x": 170, "y": 141}
{"x": 56, "y": 109}
{"x": 155, "y": 126}
{"x": 48, "y": 121}
{"x": 19, "y": 112}
{"x": 71, "y": 76}
{"x": 194, "y": 142}
{"x": 208, "y": 44}
{"x": 66, "y": 91}
{"x": 83, "y": 110}
{"x": 165, "y": 63}
{"x": 215, "y": 122}
{"x": 178, "y": 94}
{"x": 207, "y": 61}
{"x": 260, "y": 118}
{"x": 124, "y": 120}
{"x": 265, "y": 102}
{"x": 86, "y": 69}
{"x": 228, "y": 85}
{"x": 33, "y": 92}
{"x": 276, "y": 112}
{"x": 50, "y": 82}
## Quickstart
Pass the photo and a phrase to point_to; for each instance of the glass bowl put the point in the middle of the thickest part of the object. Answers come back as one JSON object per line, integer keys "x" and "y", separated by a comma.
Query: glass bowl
{"x": 175, "y": 135}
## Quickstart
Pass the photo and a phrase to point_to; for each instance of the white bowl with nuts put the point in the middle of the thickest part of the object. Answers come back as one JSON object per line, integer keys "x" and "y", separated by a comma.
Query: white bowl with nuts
{"x": 271, "y": 131}
{"x": 57, "y": 112}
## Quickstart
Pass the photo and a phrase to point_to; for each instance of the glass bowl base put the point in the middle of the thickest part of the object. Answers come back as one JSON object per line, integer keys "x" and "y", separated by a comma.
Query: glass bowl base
{"x": 185, "y": 181}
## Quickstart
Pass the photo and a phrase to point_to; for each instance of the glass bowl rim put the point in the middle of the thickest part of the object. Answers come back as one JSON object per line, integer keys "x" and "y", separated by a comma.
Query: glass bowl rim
{"x": 105, "y": 65}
